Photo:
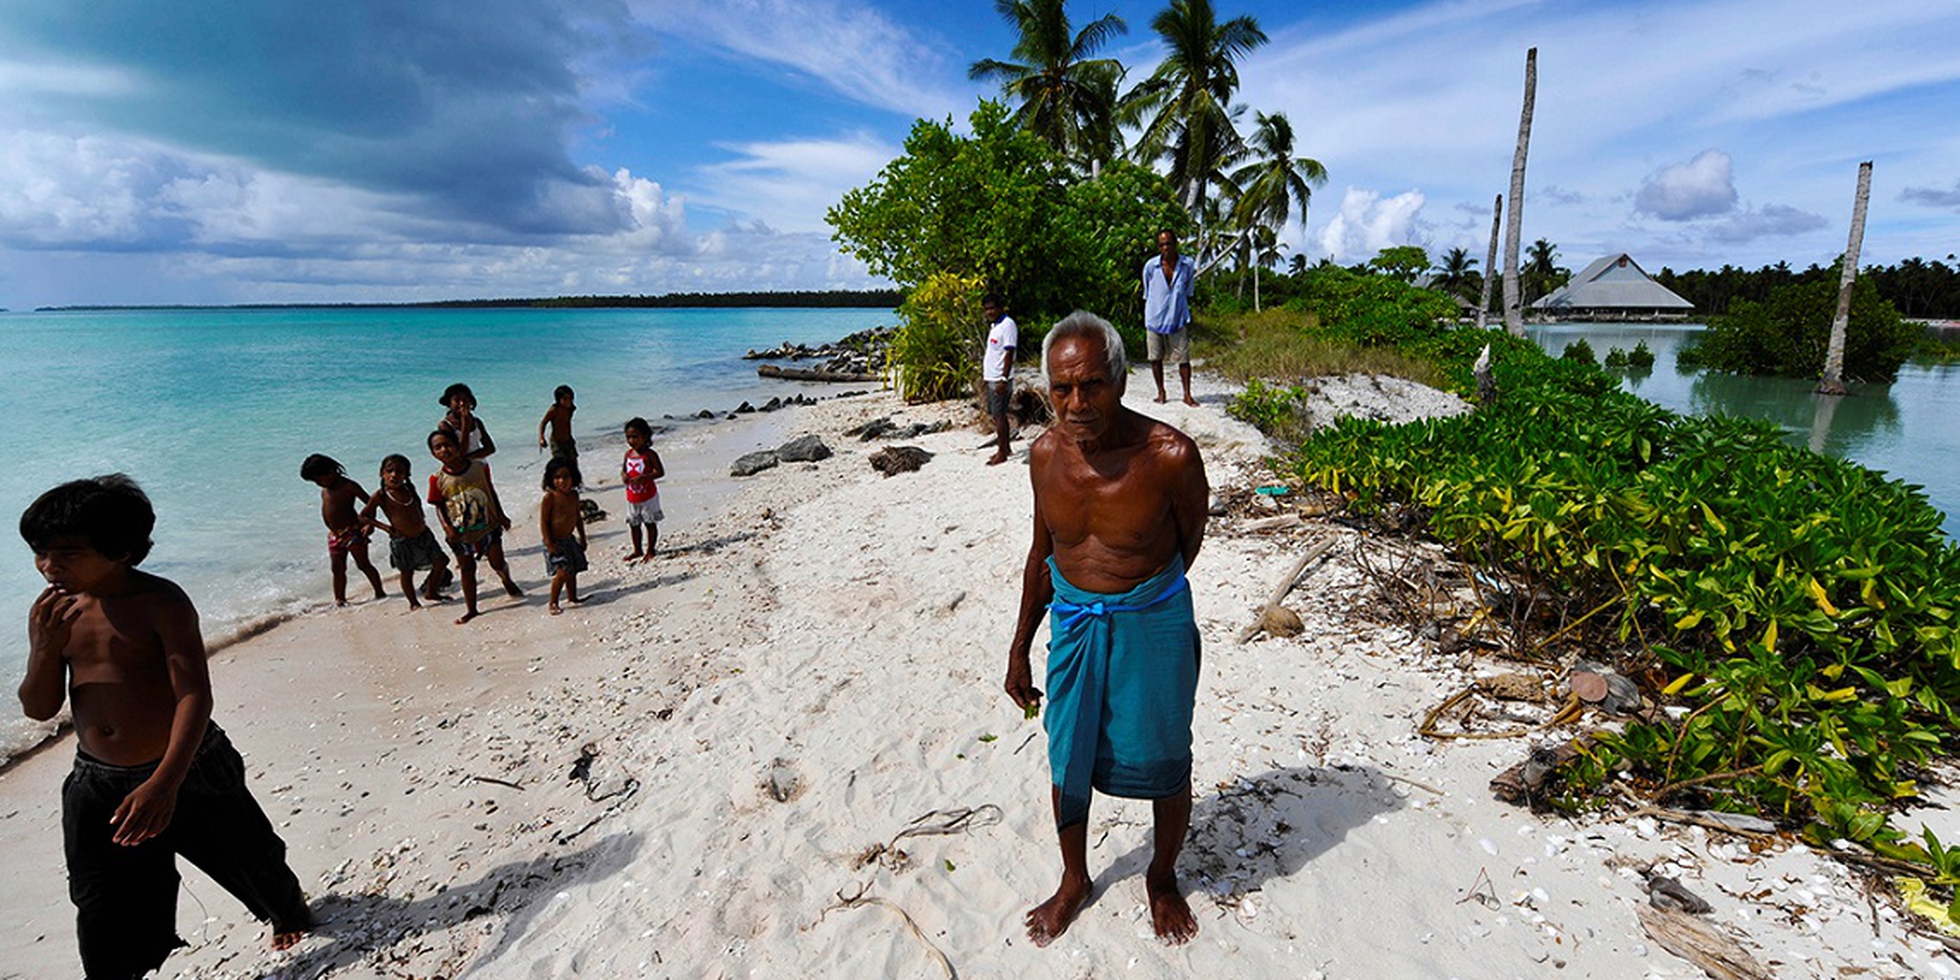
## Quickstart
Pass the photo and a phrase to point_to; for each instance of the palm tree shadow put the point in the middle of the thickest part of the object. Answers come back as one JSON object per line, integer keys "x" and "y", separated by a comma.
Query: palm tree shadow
{"x": 356, "y": 925}
{"x": 1267, "y": 827}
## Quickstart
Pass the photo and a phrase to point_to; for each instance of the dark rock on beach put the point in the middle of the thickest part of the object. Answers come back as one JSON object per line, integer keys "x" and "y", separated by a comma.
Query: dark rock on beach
{"x": 861, "y": 353}
{"x": 753, "y": 463}
{"x": 803, "y": 449}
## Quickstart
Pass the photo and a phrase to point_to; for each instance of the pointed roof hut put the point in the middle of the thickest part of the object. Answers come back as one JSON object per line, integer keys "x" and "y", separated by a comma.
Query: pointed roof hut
{"x": 1613, "y": 288}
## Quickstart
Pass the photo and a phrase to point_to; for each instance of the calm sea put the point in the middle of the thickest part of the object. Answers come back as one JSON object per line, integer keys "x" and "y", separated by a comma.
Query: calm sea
{"x": 212, "y": 411}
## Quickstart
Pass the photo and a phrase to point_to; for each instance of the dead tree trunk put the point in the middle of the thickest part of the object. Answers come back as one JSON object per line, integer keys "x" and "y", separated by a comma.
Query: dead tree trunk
{"x": 1513, "y": 228}
{"x": 1833, "y": 381}
{"x": 1490, "y": 262}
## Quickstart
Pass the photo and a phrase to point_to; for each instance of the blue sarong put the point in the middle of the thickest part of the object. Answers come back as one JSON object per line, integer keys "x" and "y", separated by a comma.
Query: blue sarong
{"x": 1122, "y": 678}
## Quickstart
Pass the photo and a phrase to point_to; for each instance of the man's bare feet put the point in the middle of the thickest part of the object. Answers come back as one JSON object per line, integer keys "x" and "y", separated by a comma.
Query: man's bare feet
{"x": 575, "y": 599}
{"x": 555, "y": 610}
{"x": 466, "y": 617}
{"x": 413, "y": 605}
{"x": 511, "y": 589}
{"x": 1169, "y": 914}
{"x": 1053, "y": 917}
{"x": 287, "y": 940}
{"x": 635, "y": 556}
{"x": 997, "y": 459}
{"x": 1188, "y": 400}
{"x": 1162, "y": 398}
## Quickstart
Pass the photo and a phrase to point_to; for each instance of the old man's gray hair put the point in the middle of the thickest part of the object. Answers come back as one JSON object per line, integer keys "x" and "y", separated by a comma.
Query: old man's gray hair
{"x": 1082, "y": 324}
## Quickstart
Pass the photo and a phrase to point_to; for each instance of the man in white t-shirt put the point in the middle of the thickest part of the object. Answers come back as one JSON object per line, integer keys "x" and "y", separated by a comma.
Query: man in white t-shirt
{"x": 997, "y": 368}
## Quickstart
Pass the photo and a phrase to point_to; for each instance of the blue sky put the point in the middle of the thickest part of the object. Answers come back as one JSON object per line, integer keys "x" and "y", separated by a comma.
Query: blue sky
{"x": 223, "y": 151}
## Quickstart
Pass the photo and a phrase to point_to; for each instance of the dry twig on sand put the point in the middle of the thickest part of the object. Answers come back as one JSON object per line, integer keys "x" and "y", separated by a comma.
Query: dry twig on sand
{"x": 859, "y": 899}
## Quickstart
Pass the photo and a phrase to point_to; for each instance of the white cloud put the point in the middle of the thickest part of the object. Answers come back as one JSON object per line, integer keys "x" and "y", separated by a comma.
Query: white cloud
{"x": 1367, "y": 224}
{"x": 790, "y": 184}
{"x": 1699, "y": 188}
{"x": 857, "y": 53}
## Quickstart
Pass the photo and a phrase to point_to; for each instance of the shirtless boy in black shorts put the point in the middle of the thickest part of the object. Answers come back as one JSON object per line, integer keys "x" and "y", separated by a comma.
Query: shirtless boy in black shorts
{"x": 153, "y": 777}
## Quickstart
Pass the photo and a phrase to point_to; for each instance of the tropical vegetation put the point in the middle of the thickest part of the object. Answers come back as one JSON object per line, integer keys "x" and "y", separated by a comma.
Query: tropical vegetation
{"x": 1919, "y": 289}
{"x": 1066, "y": 96}
{"x": 1786, "y": 334}
{"x": 1002, "y": 209}
{"x": 1795, "y": 614}
{"x": 1043, "y": 201}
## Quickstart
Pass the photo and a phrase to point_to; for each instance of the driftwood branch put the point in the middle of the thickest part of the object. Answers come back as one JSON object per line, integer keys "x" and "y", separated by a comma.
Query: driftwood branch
{"x": 1701, "y": 944}
{"x": 1286, "y": 584}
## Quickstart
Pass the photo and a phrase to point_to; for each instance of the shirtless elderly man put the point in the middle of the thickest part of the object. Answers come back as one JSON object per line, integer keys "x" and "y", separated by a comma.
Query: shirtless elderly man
{"x": 1119, "y": 513}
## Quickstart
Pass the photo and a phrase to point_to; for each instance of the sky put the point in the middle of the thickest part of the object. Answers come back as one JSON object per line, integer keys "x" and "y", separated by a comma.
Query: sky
{"x": 249, "y": 151}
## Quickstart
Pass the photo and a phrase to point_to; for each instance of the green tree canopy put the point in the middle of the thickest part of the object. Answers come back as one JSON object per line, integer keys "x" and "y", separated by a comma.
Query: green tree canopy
{"x": 1001, "y": 205}
{"x": 1404, "y": 262}
{"x": 1786, "y": 334}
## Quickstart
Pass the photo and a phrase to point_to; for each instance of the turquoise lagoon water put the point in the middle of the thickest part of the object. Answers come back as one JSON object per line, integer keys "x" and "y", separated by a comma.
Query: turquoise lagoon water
{"x": 1908, "y": 430}
{"x": 212, "y": 411}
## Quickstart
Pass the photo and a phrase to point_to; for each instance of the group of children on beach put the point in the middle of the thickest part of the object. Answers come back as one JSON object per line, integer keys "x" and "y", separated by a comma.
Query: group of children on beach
{"x": 473, "y": 517}
{"x": 154, "y": 777}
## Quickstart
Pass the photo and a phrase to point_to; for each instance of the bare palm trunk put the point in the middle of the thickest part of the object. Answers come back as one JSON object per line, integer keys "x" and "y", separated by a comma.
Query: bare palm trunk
{"x": 1833, "y": 382}
{"x": 1490, "y": 262}
{"x": 1513, "y": 313}
{"x": 1255, "y": 288}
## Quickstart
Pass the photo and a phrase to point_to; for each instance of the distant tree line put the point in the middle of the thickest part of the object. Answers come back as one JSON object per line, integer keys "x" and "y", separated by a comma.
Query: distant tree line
{"x": 1919, "y": 289}
{"x": 829, "y": 298}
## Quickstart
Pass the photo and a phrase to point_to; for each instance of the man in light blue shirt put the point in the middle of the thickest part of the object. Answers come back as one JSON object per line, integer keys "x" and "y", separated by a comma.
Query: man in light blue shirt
{"x": 1167, "y": 283}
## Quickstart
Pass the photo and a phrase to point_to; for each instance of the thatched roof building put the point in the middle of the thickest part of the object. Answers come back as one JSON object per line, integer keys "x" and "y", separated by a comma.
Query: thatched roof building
{"x": 1613, "y": 288}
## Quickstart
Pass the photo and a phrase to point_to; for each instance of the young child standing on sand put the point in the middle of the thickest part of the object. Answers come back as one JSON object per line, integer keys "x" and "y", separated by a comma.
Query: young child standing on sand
{"x": 462, "y": 421}
{"x": 638, "y": 471}
{"x": 559, "y": 418}
{"x": 154, "y": 777}
{"x": 472, "y": 518}
{"x": 563, "y": 528}
{"x": 347, "y": 533}
{"x": 411, "y": 545}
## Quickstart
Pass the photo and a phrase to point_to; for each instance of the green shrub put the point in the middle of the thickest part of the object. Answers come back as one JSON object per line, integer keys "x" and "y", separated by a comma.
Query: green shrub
{"x": 1615, "y": 358}
{"x": 1787, "y": 335}
{"x": 936, "y": 350}
{"x": 1579, "y": 350}
{"x": 1641, "y": 358}
{"x": 1804, "y": 607}
{"x": 1279, "y": 412}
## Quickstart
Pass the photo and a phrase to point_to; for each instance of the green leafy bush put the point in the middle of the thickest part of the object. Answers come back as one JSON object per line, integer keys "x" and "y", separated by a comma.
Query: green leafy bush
{"x": 1001, "y": 206}
{"x": 1375, "y": 310}
{"x": 936, "y": 351}
{"x": 1580, "y": 351}
{"x": 1787, "y": 335}
{"x": 1278, "y": 411}
{"x": 1641, "y": 358}
{"x": 1803, "y": 606}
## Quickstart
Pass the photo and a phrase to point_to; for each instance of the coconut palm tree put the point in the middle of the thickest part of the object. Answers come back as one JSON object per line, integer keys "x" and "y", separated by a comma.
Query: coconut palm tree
{"x": 1541, "y": 272}
{"x": 1185, "y": 107}
{"x": 1067, "y": 97}
{"x": 1456, "y": 274}
{"x": 1275, "y": 180}
{"x": 1297, "y": 265}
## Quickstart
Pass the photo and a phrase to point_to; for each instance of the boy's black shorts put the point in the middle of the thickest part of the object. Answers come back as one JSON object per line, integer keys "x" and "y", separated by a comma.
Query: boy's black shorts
{"x": 126, "y": 897}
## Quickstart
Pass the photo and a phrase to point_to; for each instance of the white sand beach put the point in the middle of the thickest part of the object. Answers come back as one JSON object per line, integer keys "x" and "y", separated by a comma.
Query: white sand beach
{"x": 696, "y": 772}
